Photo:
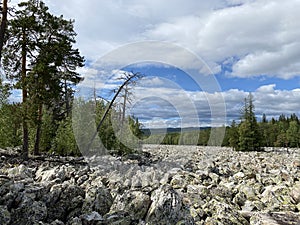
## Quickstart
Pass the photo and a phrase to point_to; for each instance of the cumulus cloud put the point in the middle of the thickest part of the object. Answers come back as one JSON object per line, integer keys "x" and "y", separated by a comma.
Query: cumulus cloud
{"x": 263, "y": 35}
{"x": 167, "y": 103}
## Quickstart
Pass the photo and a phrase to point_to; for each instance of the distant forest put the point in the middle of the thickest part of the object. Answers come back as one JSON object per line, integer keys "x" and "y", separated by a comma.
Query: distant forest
{"x": 244, "y": 136}
{"x": 281, "y": 132}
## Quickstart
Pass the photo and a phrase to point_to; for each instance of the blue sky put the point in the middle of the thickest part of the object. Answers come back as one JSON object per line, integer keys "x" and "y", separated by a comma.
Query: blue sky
{"x": 250, "y": 84}
{"x": 248, "y": 46}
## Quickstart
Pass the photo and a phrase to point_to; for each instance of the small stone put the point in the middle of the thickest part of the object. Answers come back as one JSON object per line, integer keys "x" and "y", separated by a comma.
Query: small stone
{"x": 239, "y": 176}
{"x": 91, "y": 217}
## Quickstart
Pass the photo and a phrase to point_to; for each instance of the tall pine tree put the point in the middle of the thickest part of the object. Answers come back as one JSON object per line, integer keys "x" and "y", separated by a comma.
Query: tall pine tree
{"x": 39, "y": 57}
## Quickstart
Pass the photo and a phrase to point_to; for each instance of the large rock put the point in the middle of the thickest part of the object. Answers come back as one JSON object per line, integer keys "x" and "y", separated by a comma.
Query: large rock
{"x": 167, "y": 208}
{"x": 64, "y": 202}
{"x": 97, "y": 199}
{"x": 29, "y": 211}
{"x": 19, "y": 172}
{"x": 5, "y": 216}
{"x": 277, "y": 198}
{"x": 135, "y": 203}
{"x": 178, "y": 185}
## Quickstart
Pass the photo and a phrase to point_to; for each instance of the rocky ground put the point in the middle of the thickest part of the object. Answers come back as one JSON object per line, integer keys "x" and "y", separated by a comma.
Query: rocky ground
{"x": 163, "y": 185}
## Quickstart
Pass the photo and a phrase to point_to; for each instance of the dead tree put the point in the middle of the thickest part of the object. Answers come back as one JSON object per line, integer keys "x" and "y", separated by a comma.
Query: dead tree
{"x": 128, "y": 78}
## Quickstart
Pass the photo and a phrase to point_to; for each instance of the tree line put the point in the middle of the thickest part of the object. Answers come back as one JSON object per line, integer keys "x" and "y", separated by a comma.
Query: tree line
{"x": 246, "y": 135}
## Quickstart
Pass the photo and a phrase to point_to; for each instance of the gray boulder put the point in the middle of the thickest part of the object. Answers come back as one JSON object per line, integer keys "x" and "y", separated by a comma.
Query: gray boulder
{"x": 167, "y": 208}
{"x": 5, "y": 216}
{"x": 135, "y": 203}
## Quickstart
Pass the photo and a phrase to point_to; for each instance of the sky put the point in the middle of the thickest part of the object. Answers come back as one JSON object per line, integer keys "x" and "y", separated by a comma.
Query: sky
{"x": 200, "y": 58}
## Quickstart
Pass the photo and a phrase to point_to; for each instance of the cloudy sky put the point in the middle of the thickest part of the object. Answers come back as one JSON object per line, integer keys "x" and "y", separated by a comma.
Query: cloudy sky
{"x": 246, "y": 45}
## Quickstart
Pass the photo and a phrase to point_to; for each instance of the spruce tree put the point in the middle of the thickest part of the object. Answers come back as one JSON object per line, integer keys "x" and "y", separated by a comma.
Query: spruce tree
{"x": 249, "y": 135}
{"x": 233, "y": 135}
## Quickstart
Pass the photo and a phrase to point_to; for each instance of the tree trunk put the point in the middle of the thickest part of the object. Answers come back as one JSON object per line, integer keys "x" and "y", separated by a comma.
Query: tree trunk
{"x": 124, "y": 105}
{"x": 36, "y": 150}
{"x": 24, "y": 96}
{"x": 67, "y": 98}
{"x": 3, "y": 26}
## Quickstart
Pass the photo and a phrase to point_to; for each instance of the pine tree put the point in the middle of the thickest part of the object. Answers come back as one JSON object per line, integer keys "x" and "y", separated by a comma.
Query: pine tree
{"x": 41, "y": 60}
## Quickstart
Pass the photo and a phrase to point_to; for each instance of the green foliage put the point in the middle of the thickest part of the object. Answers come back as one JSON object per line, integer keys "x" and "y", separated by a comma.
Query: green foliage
{"x": 117, "y": 137}
{"x": 248, "y": 135}
{"x": 86, "y": 116}
{"x": 293, "y": 134}
{"x": 10, "y": 124}
{"x": 64, "y": 142}
{"x": 248, "y": 130}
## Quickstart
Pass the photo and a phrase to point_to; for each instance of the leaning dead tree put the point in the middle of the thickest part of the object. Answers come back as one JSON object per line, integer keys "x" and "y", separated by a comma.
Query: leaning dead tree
{"x": 128, "y": 78}
{"x": 3, "y": 25}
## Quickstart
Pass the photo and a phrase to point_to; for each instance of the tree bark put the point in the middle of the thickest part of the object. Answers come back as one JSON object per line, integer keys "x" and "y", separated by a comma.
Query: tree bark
{"x": 3, "y": 26}
{"x": 36, "y": 150}
{"x": 124, "y": 104}
{"x": 25, "y": 151}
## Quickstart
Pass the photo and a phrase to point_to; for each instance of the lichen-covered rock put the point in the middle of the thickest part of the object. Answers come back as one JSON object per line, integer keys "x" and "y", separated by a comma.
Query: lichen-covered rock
{"x": 29, "y": 211}
{"x": 120, "y": 217}
{"x": 65, "y": 202}
{"x": 136, "y": 203}
{"x": 62, "y": 173}
{"x": 177, "y": 185}
{"x": 277, "y": 198}
{"x": 19, "y": 172}
{"x": 167, "y": 207}
{"x": 90, "y": 218}
{"x": 222, "y": 213}
{"x": 74, "y": 221}
{"x": 5, "y": 216}
{"x": 97, "y": 199}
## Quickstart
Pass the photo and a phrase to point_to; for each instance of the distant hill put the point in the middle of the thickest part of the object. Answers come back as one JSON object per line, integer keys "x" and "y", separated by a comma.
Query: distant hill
{"x": 147, "y": 131}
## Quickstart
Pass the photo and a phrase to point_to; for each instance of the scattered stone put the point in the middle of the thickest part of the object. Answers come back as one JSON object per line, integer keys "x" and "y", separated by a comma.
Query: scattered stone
{"x": 162, "y": 185}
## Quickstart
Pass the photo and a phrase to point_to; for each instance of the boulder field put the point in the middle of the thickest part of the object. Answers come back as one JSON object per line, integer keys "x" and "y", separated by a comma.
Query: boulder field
{"x": 160, "y": 185}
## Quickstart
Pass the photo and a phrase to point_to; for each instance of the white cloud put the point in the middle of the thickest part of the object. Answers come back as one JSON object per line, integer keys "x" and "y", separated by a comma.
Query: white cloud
{"x": 262, "y": 35}
{"x": 266, "y": 88}
{"x": 169, "y": 103}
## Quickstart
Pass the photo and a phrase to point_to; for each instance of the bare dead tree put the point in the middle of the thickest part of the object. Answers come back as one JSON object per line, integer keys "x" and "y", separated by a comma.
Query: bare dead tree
{"x": 128, "y": 78}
